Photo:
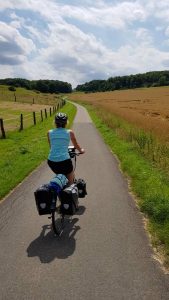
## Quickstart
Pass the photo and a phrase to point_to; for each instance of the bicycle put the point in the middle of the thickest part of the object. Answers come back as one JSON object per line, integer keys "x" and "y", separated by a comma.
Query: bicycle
{"x": 58, "y": 218}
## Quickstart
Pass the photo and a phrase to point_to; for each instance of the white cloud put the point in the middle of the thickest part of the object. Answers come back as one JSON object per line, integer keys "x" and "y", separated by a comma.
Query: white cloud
{"x": 144, "y": 36}
{"x": 13, "y": 47}
{"x": 157, "y": 9}
{"x": 99, "y": 13}
{"x": 67, "y": 41}
{"x": 20, "y": 4}
{"x": 114, "y": 16}
{"x": 15, "y": 24}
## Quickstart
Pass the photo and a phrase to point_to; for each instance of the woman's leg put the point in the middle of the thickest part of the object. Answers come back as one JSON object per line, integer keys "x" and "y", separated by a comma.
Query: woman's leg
{"x": 71, "y": 177}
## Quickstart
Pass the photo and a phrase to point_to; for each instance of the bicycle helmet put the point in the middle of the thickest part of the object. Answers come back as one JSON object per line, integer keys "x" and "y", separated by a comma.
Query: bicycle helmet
{"x": 61, "y": 118}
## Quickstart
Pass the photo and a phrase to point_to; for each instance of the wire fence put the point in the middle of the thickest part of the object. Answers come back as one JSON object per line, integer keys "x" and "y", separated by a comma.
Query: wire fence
{"x": 23, "y": 121}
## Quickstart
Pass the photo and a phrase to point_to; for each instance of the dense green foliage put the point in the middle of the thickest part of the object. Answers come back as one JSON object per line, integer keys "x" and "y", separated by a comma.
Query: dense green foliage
{"x": 43, "y": 86}
{"x": 154, "y": 79}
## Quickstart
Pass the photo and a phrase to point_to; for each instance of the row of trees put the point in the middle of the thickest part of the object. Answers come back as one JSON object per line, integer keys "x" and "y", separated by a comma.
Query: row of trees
{"x": 149, "y": 79}
{"x": 156, "y": 78}
{"x": 44, "y": 86}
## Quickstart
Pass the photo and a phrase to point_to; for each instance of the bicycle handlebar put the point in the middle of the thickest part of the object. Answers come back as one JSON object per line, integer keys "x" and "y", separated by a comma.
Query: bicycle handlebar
{"x": 72, "y": 151}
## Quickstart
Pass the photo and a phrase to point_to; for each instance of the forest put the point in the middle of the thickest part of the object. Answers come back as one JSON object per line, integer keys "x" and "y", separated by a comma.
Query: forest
{"x": 43, "y": 86}
{"x": 149, "y": 79}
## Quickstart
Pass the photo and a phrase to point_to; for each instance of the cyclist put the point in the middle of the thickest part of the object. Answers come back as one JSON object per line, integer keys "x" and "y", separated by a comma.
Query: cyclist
{"x": 59, "y": 138}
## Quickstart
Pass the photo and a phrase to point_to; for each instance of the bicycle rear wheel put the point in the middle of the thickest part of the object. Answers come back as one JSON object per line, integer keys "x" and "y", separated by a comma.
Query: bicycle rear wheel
{"x": 57, "y": 222}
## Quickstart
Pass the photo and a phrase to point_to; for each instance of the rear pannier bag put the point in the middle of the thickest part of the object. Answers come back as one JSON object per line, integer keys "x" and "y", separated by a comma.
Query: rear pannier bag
{"x": 44, "y": 198}
{"x": 69, "y": 200}
{"x": 81, "y": 185}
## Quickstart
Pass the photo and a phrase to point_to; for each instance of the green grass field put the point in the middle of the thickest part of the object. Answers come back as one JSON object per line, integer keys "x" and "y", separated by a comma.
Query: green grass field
{"x": 23, "y": 151}
{"x": 22, "y": 95}
{"x": 26, "y": 103}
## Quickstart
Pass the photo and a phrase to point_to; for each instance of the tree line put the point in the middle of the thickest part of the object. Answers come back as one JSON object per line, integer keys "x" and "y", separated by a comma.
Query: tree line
{"x": 149, "y": 79}
{"x": 44, "y": 86}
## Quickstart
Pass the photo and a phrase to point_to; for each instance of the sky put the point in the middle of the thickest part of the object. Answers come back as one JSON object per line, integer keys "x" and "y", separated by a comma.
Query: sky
{"x": 79, "y": 41}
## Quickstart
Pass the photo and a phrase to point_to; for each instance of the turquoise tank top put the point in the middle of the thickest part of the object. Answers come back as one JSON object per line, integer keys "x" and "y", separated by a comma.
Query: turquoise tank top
{"x": 59, "y": 141}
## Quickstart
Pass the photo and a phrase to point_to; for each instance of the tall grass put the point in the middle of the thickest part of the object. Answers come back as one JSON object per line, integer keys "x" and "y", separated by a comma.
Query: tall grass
{"x": 145, "y": 142}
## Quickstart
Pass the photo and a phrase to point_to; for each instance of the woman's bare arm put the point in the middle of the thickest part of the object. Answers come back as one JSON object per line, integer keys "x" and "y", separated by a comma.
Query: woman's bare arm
{"x": 75, "y": 143}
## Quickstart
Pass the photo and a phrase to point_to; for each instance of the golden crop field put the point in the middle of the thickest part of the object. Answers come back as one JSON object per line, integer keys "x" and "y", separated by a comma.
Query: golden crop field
{"x": 146, "y": 108}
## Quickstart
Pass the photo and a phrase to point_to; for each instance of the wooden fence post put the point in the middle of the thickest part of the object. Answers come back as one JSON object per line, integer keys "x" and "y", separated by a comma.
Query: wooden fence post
{"x": 34, "y": 118}
{"x": 41, "y": 113}
{"x": 2, "y": 129}
{"x": 45, "y": 113}
{"x": 21, "y": 122}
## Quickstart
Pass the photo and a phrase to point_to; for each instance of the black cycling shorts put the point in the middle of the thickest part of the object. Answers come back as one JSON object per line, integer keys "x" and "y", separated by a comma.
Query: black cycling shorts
{"x": 62, "y": 167}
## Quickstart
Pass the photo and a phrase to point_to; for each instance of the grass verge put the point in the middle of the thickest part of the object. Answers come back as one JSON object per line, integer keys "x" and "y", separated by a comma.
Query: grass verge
{"x": 148, "y": 183}
{"x": 23, "y": 151}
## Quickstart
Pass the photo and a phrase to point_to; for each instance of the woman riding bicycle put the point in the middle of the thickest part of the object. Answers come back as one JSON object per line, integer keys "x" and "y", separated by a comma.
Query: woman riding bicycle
{"x": 59, "y": 138}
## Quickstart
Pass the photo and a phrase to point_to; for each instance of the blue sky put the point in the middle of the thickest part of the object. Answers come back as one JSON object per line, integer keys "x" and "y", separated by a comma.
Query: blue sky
{"x": 78, "y": 41}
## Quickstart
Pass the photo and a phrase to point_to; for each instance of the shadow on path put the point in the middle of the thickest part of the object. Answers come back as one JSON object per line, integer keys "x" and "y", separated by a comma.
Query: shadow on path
{"x": 48, "y": 246}
{"x": 81, "y": 210}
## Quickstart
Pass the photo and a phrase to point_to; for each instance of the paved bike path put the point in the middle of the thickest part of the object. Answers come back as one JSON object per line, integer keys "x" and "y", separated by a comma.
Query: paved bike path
{"x": 103, "y": 254}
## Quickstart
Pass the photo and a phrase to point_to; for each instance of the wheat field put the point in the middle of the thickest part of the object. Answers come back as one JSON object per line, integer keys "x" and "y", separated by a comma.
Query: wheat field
{"x": 146, "y": 108}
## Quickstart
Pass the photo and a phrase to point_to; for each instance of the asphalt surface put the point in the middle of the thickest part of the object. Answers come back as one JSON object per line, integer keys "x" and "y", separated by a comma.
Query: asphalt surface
{"x": 103, "y": 254}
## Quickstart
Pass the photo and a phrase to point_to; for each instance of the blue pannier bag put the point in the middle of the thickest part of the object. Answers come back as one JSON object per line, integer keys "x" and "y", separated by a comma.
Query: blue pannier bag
{"x": 60, "y": 179}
